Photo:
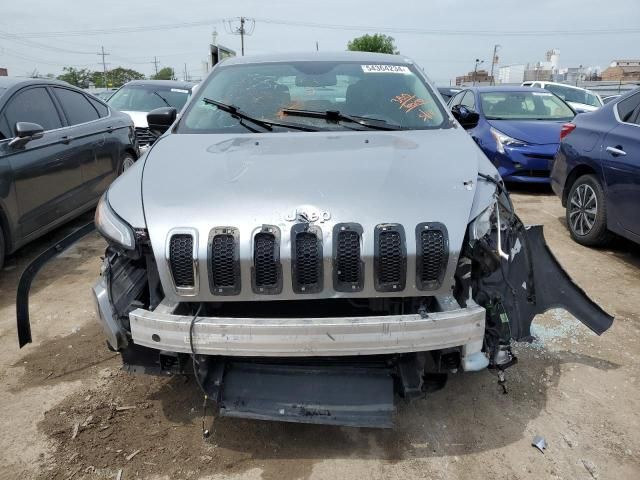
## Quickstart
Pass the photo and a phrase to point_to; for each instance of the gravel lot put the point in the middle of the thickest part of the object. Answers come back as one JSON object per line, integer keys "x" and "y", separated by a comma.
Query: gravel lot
{"x": 67, "y": 411}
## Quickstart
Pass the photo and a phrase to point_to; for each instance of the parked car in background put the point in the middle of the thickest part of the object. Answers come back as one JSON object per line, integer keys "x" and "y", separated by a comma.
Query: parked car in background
{"x": 519, "y": 128}
{"x": 104, "y": 95}
{"x": 138, "y": 97}
{"x": 448, "y": 92}
{"x": 329, "y": 236}
{"x": 609, "y": 98}
{"x": 60, "y": 148}
{"x": 580, "y": 99}
{"x": 596, "y": 172}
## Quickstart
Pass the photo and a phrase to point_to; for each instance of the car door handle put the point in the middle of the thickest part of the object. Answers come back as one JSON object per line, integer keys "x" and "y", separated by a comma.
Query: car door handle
{"x": 616, "y": 151}
{"x": 67, "y": 139}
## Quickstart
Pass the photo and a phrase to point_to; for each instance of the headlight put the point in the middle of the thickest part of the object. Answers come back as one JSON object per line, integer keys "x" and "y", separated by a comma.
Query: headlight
{"x": 482, "y": 224}
{"x": 502, "y": 140}
{"x": 112, "y": 227}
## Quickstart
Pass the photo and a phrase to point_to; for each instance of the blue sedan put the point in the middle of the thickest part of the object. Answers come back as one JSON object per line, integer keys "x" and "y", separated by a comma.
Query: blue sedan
{"x": 518, "y": 130}
{"x": 597, "y": 172}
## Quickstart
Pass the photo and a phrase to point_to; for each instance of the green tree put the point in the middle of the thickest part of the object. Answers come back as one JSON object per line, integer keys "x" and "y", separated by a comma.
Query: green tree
{"x": 165, "y": 73}
{"x": 373, "y": 43}
{"x": 115, "y": 77}
{"x": 79, "y": 77}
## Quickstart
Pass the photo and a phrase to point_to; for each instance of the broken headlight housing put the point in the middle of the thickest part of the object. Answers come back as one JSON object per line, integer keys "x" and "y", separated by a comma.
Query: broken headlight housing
{"x": 503, "y": 140}
{"x": 483, "y": 223}
{"x": 112, "y": 227}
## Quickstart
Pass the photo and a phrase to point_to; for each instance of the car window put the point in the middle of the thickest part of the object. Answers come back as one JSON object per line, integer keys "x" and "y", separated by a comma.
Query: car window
{"x": 576, "y": 95}
{"x": 102, "y": 109}
{"x": 144, "y": 98}
{"x": 5, "y": 131}
{"x": 76, "y": 106}
{"x": 394, "y": 93}
{"x": 627, "y": 106}
{"x": 457, "y": 99}
{"x": 524, "y": 105}
{"x": 469, "y": 100}
{"x": 33, "y": 105}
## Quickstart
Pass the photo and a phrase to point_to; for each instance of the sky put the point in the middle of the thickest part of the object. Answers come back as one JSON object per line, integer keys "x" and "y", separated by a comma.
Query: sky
{"x": 443, "y": 36}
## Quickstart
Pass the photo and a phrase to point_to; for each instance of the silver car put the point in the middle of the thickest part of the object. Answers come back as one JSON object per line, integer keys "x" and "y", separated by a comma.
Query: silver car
{"x": 315, "y": 234}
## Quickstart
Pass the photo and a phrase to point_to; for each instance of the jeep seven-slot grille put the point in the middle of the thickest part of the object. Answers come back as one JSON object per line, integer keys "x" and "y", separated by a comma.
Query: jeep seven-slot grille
{"x": 181, "y": 260}
{"x": 223, "y": 261}
{"x": 432, "y": 257}
{"x": 307, "y": 262}
{"x": 265, "y": 261}
{"x": 348, "y": 263}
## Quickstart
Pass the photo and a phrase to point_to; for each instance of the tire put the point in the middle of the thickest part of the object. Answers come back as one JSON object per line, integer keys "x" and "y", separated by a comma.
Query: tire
{"x": 586, "y": 212}
{"x": 126, "y": 162}
{"x": 2, "y": 247}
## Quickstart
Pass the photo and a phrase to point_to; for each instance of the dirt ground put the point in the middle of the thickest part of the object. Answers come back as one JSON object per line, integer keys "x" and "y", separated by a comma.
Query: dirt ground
{"x": 67, "y": 411}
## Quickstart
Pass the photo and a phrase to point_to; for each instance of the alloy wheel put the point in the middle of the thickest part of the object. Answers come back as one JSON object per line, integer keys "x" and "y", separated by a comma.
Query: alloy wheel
{"x": 583, "y": 208}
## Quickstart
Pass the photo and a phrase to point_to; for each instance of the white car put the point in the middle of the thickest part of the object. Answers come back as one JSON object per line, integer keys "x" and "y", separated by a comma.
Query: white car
{"x": 580, "y": 99}
{"x": 139, "y": 97}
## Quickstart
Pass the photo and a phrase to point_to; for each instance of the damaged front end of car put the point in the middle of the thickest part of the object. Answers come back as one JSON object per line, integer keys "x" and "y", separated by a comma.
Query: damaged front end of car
{"x": 291, "y": 361}
{"x": 508, "y": 268}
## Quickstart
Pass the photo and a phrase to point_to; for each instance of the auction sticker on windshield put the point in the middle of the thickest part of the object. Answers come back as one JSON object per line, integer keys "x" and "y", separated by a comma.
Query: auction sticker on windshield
{"x": 385, "y": 69}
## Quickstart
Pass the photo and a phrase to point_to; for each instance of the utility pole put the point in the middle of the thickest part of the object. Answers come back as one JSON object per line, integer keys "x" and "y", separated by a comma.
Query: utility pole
{"x": 155, "y": 63}
{"x": 186, "y": 75}
{"x": 245, "y": 27}
{"x": 494, "y": 60}
{"x": 104, "y": 66}
{"x": 317, "y": 48}
{"x": 242, "y": 35}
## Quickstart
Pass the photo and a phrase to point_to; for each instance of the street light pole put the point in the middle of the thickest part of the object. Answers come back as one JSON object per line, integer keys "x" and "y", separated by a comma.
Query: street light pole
{"x": 475, "y": 69}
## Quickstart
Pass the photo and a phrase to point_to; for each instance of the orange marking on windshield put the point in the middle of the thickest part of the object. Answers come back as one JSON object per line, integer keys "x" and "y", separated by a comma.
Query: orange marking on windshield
{"x": 408, "y": 102}
{"x": 424, "y": 116}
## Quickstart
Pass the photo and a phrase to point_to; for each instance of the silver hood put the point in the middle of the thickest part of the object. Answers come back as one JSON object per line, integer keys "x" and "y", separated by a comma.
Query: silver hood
{"x": 197, "y": 183}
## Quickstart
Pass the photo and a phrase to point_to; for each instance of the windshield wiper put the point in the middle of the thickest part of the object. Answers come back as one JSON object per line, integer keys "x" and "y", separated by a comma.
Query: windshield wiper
{"x": 337, "y": 116}
{"x": 163, "y": 99}
{"x": 266, "y": 124}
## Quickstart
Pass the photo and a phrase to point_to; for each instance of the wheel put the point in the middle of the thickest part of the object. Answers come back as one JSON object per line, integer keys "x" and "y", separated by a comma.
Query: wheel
{"x": 1, "y": 248}
{"x": 587, "y": 212}
{"x": 126, "y": 162}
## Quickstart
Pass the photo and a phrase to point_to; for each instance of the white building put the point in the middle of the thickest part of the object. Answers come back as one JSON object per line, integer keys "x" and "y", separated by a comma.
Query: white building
{"x": 511, "y": 74}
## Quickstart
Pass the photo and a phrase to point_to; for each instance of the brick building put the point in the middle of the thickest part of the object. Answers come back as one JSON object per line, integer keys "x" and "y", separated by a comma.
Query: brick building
{"x": 622, "y": 70}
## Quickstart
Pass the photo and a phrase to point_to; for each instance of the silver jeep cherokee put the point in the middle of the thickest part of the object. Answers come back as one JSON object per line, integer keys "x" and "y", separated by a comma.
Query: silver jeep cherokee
{"x": 314, "y": 234}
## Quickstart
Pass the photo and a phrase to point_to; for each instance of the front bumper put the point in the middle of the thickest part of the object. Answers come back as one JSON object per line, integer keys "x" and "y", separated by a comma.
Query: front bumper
{"x": 164, "y": 330}
{"x": 531, "y": 163}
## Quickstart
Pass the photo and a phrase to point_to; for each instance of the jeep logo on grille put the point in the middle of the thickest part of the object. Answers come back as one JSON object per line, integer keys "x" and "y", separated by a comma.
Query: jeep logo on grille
{"x": 308, "y": 214}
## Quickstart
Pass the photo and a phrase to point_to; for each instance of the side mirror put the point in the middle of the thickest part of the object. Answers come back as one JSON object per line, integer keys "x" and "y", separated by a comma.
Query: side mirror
{"x": 467, "y": 117}
{"x": 160, "y": 119}
{"x": 25, "y": 132}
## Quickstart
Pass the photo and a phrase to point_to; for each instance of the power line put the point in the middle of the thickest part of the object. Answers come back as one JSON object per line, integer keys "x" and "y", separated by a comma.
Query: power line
{"x": 330, "y": 26}
{"x": 116, "y": 30}
{"x": 23, "y": 56}
{"x": 30, "y": 43}
{"x": 466, "y": 32}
